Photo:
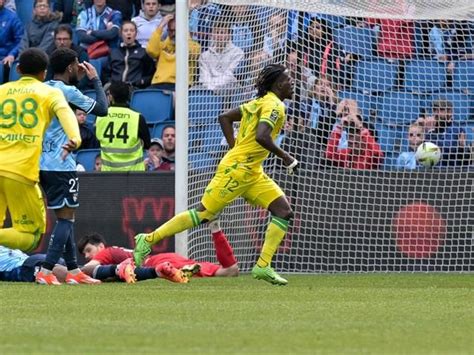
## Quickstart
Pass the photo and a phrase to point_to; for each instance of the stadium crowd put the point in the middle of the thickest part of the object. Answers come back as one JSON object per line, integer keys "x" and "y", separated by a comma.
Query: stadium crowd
{"x": 355, "y": 77}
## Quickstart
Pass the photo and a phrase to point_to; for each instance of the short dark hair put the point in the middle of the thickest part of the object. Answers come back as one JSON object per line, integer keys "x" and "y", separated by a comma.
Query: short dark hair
{"x": 126, "y": 22}
{"x": 63, "y": 28}
{"x": 61, "y": 58}
{"x": 33, "y": 61}
{"x": 92, "y": 238}
{"x": 166, "y": 127}
{"x": 36, "y": 1}
{"x": 120, "y": 91}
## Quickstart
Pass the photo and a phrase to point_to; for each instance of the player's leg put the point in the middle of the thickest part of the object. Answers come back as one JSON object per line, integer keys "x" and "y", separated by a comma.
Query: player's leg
{"x": 224, "y": 252}
{"x": 267, "y": 193}
{"x": 26, "y": 206}
{"x": 217, "y": 195}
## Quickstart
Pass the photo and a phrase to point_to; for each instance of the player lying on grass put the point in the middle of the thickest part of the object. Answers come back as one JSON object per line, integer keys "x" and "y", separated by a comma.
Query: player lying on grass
{"x": 95, "y": 249}
{"x": 16, "y": 266}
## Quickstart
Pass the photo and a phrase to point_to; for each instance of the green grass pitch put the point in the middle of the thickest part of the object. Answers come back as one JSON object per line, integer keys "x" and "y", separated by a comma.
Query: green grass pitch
{"x": 317, "y": 314}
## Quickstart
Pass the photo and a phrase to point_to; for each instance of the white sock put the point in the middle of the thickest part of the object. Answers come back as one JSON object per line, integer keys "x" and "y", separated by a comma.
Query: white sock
{"x": 214, "y": 226}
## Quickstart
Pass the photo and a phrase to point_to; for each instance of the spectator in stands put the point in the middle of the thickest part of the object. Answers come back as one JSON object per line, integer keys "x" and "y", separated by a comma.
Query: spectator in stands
{"x": 416, "y": 136}
{"x": 98, "y": 163}
{"x": 122, "y": 134}
{"x": 450, "y": 136}
{"x": 362, "y": 152}
{"x": 126, "y": 7}
{"x": 202, "y": 16}
{"x": 70, "y": 9}
{"x": 89, "y": 140}
{"x": 40, "y": 31}
{"x": 167, "y": 7}
{"x": 147, "y": 21}
{"x": 129, "y": 62}
{"x": 163, "y": 51}
{"x": 242, "y": 35}
{"x": 218, "y": 65}
{"x": 153, "y": 161}
{"x": 274, "y": 41}
{"x": 11, "y": 33}
{"x": 395, "y": 38}
{"x": 99, "y": 22}
{"x": 168, "y": 137}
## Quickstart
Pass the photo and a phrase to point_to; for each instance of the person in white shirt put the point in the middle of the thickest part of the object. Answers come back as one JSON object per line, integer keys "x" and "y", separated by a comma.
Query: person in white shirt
{"x": 147, "y": 21}
{"x": 217, "y": 65}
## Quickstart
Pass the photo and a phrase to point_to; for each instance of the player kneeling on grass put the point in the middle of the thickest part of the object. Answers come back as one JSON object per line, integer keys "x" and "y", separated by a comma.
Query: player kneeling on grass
{"x": 240, "y": 172}
{"x": 95, "y": 249}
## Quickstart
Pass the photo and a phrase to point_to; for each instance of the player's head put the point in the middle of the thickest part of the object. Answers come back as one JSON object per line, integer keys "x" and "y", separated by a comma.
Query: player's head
{"x": 90, "y": 244}
{"x": 275, "y": 78}
{"x": 33, "y": 62}
{"x": 119, "y": 92}
{"x": 64, "y": 62}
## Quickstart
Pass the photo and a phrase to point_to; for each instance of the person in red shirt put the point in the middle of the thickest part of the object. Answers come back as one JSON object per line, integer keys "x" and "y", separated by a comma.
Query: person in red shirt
{"x": 95, "y": 250}
{"x": 362, "y": 152}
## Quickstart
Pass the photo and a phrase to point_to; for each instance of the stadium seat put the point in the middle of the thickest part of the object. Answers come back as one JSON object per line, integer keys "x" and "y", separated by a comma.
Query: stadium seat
{"x": 375, "y": 76}
{"x": 24, "y": 10}
{"x": 86, "y": 157}
{"x": 391, "y": 138}
{"x": 398, "y": 108}
{"x": 204, "y": 110}
{"x": 156, "y": 129}
{"x": 360, "y": 41}
{"x": 13, "y": 73}
{"x": 425, "y": 76}
{"x": 461, "y": 104}
{"x": 366, "y": 103}
{"x": 463, "y": 76}
{"x": 155, "y": 105}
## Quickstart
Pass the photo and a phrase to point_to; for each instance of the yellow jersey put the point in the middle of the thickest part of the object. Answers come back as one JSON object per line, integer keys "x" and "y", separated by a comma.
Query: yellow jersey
{"x": 247, "y": 151}
{"x": 27, "y": 107}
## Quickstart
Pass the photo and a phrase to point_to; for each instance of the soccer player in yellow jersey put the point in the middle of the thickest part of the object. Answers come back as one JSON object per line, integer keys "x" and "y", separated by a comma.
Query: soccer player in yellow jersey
{"x": 26, "y": 109}
{"x": 240, "y": 172}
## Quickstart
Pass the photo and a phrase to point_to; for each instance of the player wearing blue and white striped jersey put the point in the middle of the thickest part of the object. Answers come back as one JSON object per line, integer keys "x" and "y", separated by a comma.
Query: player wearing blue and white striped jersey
{"x": 58, "y": 173}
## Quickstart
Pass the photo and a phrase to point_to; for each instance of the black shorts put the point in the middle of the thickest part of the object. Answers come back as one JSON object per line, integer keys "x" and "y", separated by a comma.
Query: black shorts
{"x": 61, "y": 188}
{"x": 31, "y": 266}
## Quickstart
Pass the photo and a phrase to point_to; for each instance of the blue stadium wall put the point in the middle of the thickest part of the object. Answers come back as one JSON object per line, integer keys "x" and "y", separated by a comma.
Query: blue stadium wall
{"x": 345, "y": 222}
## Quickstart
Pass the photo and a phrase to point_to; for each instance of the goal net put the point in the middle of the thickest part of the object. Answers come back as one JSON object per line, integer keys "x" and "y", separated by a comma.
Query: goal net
{"x": 373, "y": 79}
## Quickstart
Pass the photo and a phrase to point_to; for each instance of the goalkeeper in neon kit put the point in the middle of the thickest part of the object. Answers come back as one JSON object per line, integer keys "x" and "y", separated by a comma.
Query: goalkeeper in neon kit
{"x": 240, "y": 172}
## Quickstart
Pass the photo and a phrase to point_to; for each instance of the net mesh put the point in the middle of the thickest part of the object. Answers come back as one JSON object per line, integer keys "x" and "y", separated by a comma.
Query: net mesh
{"x": 373, "y": 80}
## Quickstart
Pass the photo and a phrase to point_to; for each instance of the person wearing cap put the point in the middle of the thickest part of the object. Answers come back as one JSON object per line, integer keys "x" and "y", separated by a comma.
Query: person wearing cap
{"x": 153, "y": 161}
{"x": 450, "y": 136}
{"x": 123, "y": 133}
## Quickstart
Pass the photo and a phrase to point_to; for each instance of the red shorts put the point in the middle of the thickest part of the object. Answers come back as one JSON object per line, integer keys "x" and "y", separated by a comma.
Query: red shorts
{"x": 207, "y": 269}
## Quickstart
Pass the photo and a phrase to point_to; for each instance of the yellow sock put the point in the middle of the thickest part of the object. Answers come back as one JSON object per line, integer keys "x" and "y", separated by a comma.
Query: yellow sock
{"x": 274, "y": 235}
{"x": 181, "y": 222}
{"x": 14, "y": 239}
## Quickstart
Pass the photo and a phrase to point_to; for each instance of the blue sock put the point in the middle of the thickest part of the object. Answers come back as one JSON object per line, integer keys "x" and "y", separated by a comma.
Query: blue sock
{"x": 70, "y": 256}
{"x": 58, "y": 241}
{"x": 104, "y": 272}
{"x": 145, "y": 273}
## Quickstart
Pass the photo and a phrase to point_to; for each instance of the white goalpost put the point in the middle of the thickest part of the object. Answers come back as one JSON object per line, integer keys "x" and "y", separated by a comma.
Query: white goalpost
{"x": 373, "y": 80}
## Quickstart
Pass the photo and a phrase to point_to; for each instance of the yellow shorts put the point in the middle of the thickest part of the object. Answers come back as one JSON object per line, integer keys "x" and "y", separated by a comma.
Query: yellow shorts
{"x": 25, "y": 204}
{"x": 228, "y": 184}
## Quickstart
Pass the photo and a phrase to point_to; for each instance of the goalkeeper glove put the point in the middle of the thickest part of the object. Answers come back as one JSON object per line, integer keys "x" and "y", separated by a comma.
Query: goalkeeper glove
{"x": 291, "y": 169}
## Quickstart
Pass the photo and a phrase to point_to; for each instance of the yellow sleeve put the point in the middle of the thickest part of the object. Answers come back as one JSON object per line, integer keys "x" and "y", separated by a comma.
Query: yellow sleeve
{"x": 66, "y": 117}
{"x": 153, "y": 48}
{"x": 271, "y": 112}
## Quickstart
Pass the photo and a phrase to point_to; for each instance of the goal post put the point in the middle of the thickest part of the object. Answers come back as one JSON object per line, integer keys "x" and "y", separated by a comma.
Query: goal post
{"x": 373, "y": 79}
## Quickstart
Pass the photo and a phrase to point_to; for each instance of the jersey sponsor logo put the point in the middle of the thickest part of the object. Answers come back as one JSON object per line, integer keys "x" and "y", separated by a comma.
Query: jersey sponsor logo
{"x": 17, "y": 91}
{"x": 274, "y": 115}
{"x": 15, "y": 137}
{"x": 24, "y": 220}
{"x": 119, "y": 115}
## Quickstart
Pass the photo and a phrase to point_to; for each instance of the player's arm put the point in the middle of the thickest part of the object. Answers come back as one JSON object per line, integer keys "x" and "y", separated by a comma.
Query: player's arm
{"x": 90, "y": 267}
{"x": 68, "y": 121}
{"x": 264, "y": 138}
{"x": 226, "y": 121}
